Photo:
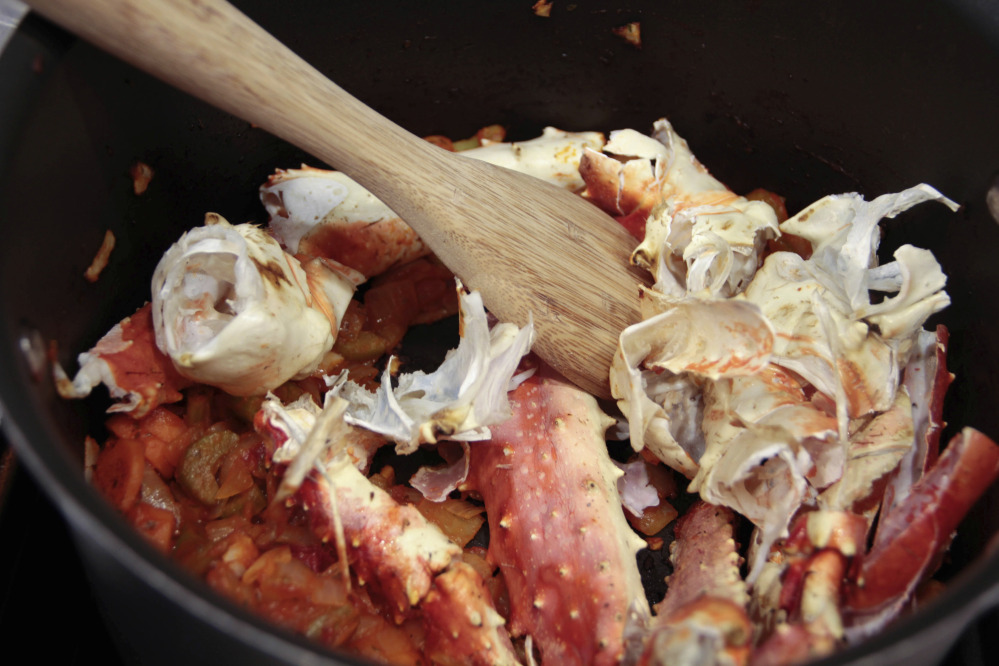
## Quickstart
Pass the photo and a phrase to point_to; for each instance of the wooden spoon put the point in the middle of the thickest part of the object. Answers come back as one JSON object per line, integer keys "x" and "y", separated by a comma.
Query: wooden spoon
{"x": 527, "y": 246}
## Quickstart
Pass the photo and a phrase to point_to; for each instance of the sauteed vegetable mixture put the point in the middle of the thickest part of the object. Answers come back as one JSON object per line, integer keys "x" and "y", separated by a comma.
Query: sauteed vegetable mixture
{"x": 782, "y": 393}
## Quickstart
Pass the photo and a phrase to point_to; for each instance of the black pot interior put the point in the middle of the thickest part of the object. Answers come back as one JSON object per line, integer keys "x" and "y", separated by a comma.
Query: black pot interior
{"x": 803, "y": 99}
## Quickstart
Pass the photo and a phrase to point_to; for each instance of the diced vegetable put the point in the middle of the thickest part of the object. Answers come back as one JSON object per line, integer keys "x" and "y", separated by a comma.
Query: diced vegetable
{"x": 440, "y": 141}
{"x": 458, "y": 519}
{"x": 197, "y": 469}
{"x": 391, "y": 308}
{"x": 772, "y": 199}
{"x": 199, "y": 406}
{"x": 119, "y": 470}
{"x": 238, "y": 466}
{"x": 165, "y": 455}
{"x": 366, "y": 346}
{"x": 491, "y": 133}
{"x": 154, "y": 523}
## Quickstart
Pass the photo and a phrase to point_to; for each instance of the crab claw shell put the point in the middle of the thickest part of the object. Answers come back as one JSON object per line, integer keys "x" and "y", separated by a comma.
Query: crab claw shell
{"x": 911, "y": 538}
{"x": 844, "y": 233}
{"x": 553, "y": 157}
{"x": 926, "y": 379}
{"x": 619, "y": 188}
{"x": 623, "y": 188}
{"x": 326, "y": 213}
{"x": 459, "y": 400}
{"x": 699, "y": 235}
{"x": 789, "y": 644}
{"x": 391, "y": 546}
{"x": 233, "y": 310}
{"x": 127, "y": 362}
{"x": 405, "y": 560}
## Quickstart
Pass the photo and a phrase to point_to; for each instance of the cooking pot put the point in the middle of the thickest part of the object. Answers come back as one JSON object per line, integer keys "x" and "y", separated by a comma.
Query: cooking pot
{"x": 804, "y": 99}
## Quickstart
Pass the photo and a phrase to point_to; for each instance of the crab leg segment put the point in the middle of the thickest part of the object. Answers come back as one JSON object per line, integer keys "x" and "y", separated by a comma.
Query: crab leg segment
{"x": 126, "y": 360}
{"x": 409, "y": 562}
{"x": 817, "y": 554}
{"x": 405, "y": 559}
{"x": 391, "y": 546}
{"x": 627, "y": 190}
{"x": 327, "y": 214}
{"x": 705, "y": 559}
{"x": 703, "y": 615}
{"x": 927, "y": 379}
{"x": 458, "y": 601}
{"x": 911, "y": 538}
{"x": 557, "y": 529}
{"x": 709, "y": 630}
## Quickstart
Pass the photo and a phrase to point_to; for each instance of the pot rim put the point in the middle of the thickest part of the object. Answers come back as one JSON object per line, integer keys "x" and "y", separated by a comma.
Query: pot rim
{"x": 972, "y": 591}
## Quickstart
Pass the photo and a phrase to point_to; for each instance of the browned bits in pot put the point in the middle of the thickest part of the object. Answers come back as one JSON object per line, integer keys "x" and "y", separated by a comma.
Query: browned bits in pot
{"x": 631, "y": 33}
{"x": 542, "y": 8}
{"x": 100, "y": 260}
{"x": 141, "y": 174}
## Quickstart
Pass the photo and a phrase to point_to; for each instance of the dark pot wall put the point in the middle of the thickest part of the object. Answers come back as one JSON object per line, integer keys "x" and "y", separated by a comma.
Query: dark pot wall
{"x": 799, "y": 98}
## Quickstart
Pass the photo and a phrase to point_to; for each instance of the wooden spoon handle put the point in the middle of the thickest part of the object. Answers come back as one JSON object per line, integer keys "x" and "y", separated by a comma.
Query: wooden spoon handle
{"x": 530, "y": 248}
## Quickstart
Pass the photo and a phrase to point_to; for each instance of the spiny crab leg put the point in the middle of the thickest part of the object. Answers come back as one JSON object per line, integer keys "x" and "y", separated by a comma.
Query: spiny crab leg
{"x": 705, "y": 559}
{"x": 557, "y": 529}
{"x": 704, "y": 610}
{"x": 461, "y": 622}
{"x": 406, "y": 560}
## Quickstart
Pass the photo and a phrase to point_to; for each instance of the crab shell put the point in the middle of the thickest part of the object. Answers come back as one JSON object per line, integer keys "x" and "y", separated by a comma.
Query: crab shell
{"x": 557, "y": 529}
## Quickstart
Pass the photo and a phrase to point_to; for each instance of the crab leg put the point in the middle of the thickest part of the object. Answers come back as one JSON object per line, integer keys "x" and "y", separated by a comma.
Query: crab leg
{"x": 911, "y": 538}
{"x": 703, "y": 614}
{"x": 927, "y": 379}
{"x": 138, "y": 375}
{"x": 391, "y": 546}
{"x": 327, "y": 214}
{"x": 408, "y": 562}
{"x": 807, "y": 607}
{"x": 462, "y": 625}
{"x": 404, "y": 558}
{"x": 705, "y": 559}
{"x": 557, "y": 529}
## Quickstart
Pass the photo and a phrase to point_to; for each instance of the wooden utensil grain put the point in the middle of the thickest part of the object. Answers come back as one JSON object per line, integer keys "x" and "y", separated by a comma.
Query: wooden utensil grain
{"x": 530, "y": 248}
